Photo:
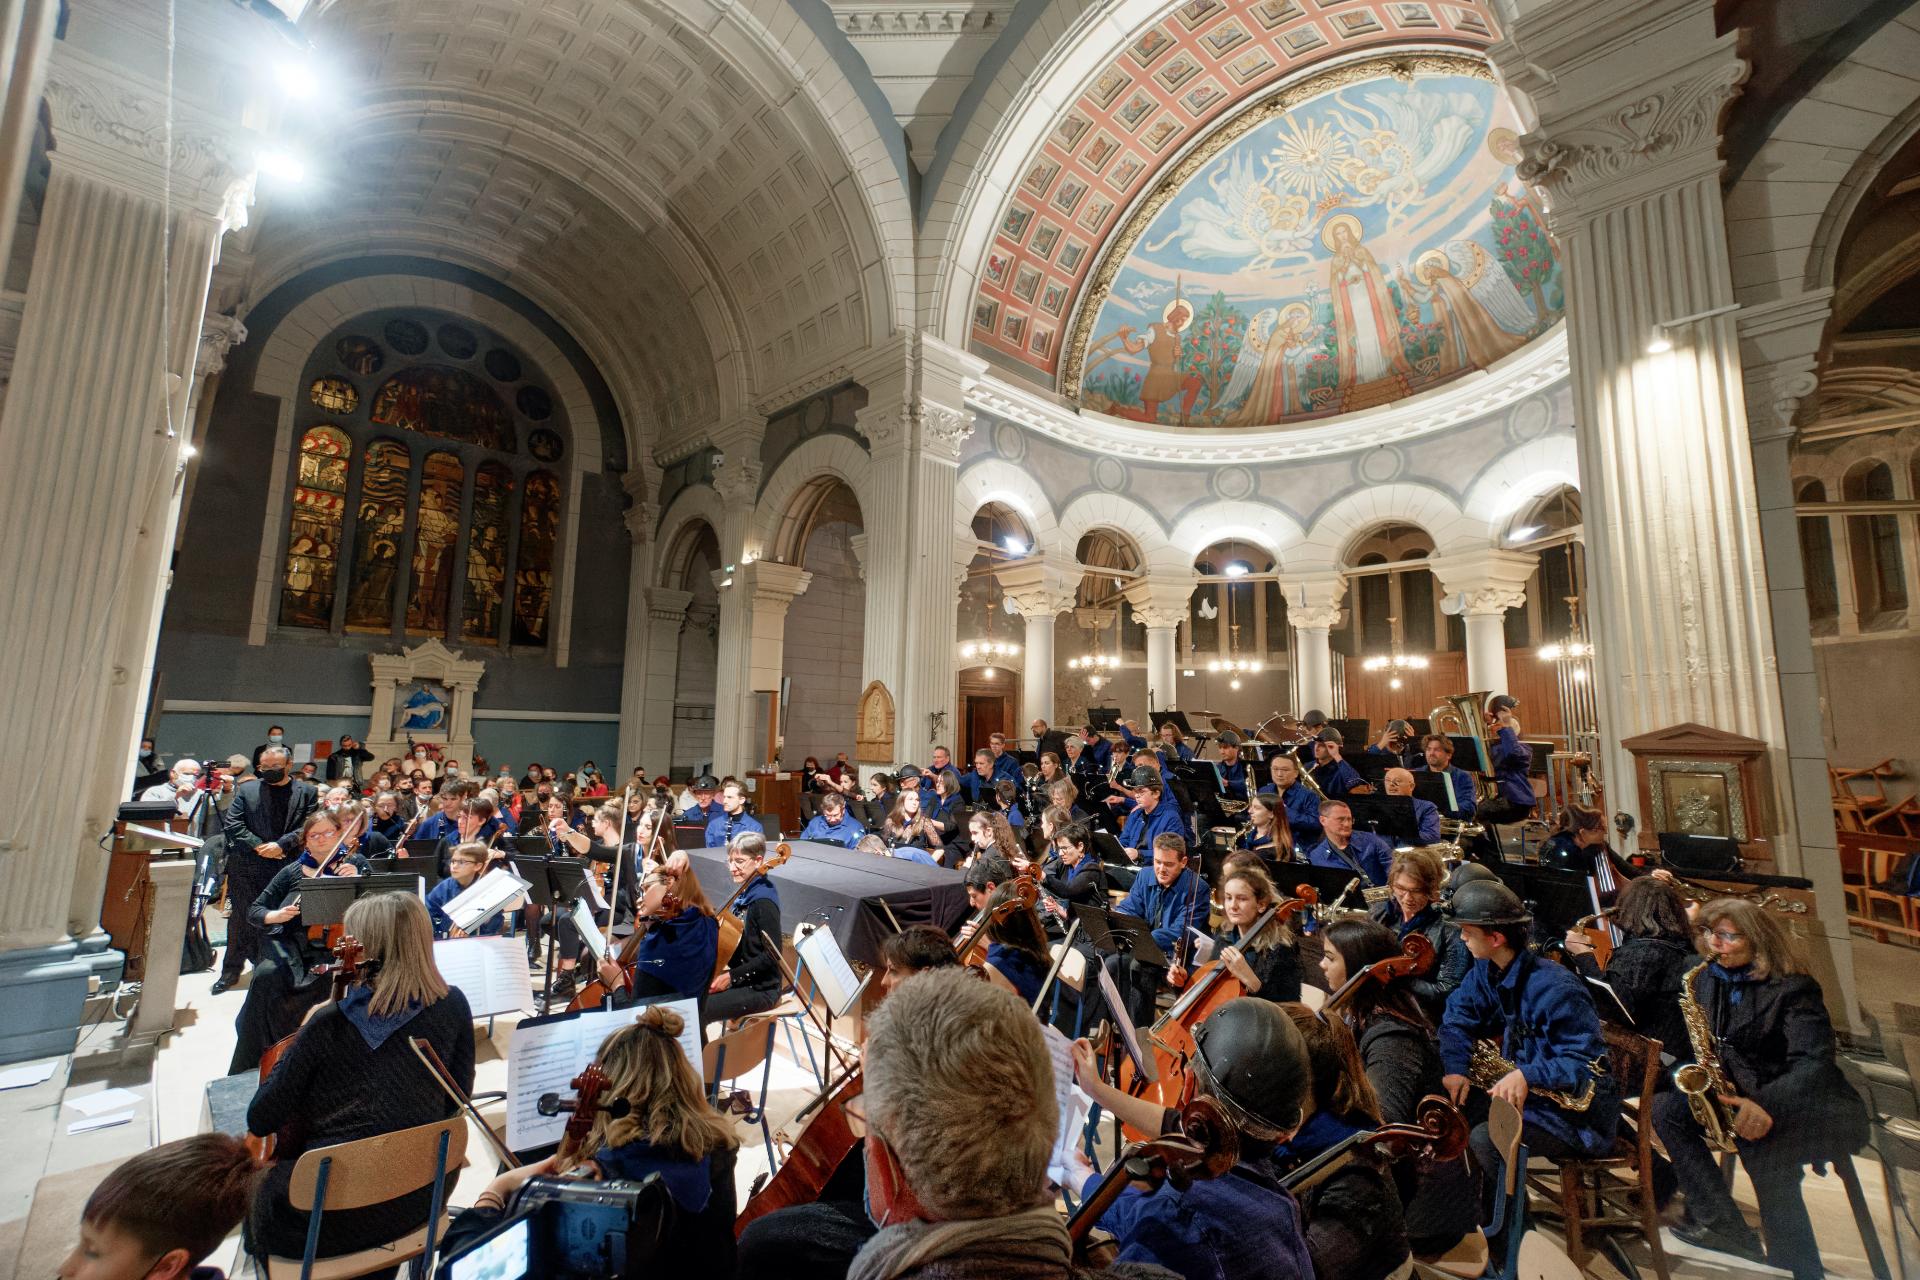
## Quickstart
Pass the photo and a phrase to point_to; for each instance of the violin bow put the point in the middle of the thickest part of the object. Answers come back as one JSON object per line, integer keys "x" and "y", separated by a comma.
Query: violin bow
{"x": 338, "y": 845}
{"x": 619, "y": 856}
{"x": 1066, "y": 946}
{"x": 430, "y": 1058}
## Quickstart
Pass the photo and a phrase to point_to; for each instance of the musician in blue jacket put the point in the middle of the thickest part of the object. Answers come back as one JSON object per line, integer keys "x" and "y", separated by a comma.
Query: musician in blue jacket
{"x": 1302, "y": 805}
{"x": 1541, "y": 1019}
{"x": 1361, "y": 852}
{"x": 833, "y": 824}
{"x": 1438, "y": 749}
{"x": 1172, "y": 741}
{"x": 1510, "y": 760}
{"x": 1154, "y": 814}
{"x": 1426, "y": 814}
{"x": 1235, "y": 774}
{"x": 1174, "y": 900}
{"x": 1334, "y": 775}
{"x": 1005, "y": 763}
{"x": 733, "y": 818}
{"x": 464, "y": 863}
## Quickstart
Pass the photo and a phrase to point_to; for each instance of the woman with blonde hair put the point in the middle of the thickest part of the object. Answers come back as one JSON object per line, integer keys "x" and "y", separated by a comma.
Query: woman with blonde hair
{"x": 1785, "y": 1100}
{"x": 352, "y": 1074}
{"x": 1266, "y": 963}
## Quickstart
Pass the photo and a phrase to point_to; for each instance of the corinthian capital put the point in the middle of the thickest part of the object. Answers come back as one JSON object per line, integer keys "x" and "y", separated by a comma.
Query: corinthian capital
{"x": 940, "y": 430}
{"x": 218, "y": 336}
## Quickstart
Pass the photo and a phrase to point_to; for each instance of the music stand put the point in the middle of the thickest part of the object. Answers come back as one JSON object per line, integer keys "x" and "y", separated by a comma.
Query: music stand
{"x": 1353, "y": 733}
{"x": 417, "y": 848}
{"x": 1135, "y": 936}
{"x": 1373, "y": 768}
{"x": 1470, "y": 750}
{"x": 1205, "y": 787}
{"x": 1699, "y": 854}
{"x": 553, "y": 883}
{"x": 1556, "y": 898}
{"x": 1104, "y": 719}
{"x": 325, "y": 899}
{"x": 1390, "y": 817}
{"x": 1433, "y": 788}
{"x": 1176, "y": 718}
{"x": 1093, "y": 927}
{"x": 530, "y": 847}
{"x": 1421, "y": 727}
{"x": 688, "y": 836}
{"x": 428, "y": 869}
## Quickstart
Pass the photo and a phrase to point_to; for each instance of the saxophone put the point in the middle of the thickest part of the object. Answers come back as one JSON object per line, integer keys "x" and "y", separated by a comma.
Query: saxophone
{"x": 1703, "y": 1079}
{"x": 1487, "y": 1066}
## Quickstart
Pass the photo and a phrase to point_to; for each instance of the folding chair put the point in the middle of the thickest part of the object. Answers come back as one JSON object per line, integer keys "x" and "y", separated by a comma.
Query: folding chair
{"x": 353, "y": 1175}
{"x": 736, "y": 1054}
{"x": 1509, "y": 1220}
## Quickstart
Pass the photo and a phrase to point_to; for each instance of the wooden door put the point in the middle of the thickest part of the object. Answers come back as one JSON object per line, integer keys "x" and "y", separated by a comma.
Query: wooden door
{"x": 986, "y": 716}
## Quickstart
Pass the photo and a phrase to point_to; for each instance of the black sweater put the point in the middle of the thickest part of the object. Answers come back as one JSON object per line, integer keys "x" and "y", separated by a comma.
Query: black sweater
{"x": 1645, "y": 973}
{"x": 1277, "y": 967}
{"x": 1403, "y": 1066}
{"x": 286, "y": 882}
{"x": 334, "y": 1089}
{"x": 758, "y": 911}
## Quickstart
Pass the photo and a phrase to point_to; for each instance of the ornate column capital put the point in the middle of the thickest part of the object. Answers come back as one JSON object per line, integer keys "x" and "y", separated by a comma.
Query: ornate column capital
{"x": 664, "y": 604}
{"x": 938, "y": 430}
{"x": 218, "y": 335}
{"x": 1314, "y": 601}
{"x": 857, "y": 543}
{"x": 1779, "y": 356}
{"x": 1160, "y": 600}
{"x": 641, "y": 519}
{"x": 1491, "y": 580}
{"x": 1040, "y": 586}
{"x": 917, "y": 396}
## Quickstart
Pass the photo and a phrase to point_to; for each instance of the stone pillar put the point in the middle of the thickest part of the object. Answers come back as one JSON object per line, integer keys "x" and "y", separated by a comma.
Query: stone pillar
{"x": 665, "y": 618}
{"x": 770, "y": 589}
{"x": 90, "y": 435}
{"x": 637, "y": 654}
{"x": 1041, "y": 588}
{"x": 26, "y": 38}
{"x": 1313, "y": 611}
{"x": 1484, "y": 585}
{"x": 1160, "y": 603}
{"x": 738, "y": 484}
{"x": 916, "y": 421}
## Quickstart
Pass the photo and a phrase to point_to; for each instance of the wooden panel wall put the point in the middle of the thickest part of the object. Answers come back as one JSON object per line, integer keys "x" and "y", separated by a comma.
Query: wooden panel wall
{"x": 1529, "y": 679}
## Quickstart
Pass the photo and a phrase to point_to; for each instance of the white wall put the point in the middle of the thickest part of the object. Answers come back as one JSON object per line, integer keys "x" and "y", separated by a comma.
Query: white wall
{"x": 825, "y": 630}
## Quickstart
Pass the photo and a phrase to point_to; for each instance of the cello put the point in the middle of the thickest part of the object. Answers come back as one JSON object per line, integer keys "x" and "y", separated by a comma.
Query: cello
{"x": 1205, "y": 1146}
{"x": 1440, "y": 1135}
{"x": 349, "y": 957}
{"x": 822, "y": 1147}
{"x": 1170, "y": 1040}
{"x": 731, "y": 927}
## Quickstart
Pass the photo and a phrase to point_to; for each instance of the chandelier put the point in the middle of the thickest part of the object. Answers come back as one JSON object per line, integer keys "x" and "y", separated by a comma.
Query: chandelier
{"x": 1230, "y": 665}
{"x": 1396, "y": 664}
{"x": 1102, "y": 665}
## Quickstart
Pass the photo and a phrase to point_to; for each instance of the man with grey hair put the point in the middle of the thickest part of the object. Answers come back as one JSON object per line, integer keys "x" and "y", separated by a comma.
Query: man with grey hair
{"x": 262, "y": 825}
{"x": 956, "y": 1198}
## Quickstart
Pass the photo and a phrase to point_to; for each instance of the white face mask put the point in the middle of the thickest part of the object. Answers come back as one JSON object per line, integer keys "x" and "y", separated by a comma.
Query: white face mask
{"x": 274, "y": 737}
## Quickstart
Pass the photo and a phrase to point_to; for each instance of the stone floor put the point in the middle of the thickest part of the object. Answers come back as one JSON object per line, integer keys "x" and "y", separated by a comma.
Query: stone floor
{"x": 168, "y": 1088}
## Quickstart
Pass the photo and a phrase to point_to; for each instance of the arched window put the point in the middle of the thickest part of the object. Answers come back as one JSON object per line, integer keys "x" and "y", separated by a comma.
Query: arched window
{"x": 1375, "y": 598}
{"x": 1879, "y": 575}
{"x": 453, "y": 510}
{"x": 1816, "y": 559}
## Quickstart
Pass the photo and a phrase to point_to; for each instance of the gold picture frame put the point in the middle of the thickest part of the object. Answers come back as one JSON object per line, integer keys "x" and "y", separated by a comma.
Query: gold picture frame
{"x": 1697, "y": 798}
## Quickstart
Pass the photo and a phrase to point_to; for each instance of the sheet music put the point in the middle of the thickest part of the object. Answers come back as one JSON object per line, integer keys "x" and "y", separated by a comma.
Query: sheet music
{"x": 1117, "y": 1010}
{"x": 827, "y": 964}
{"x": 1202, "y": 948}
{"x": 491, "y": 972}
{"x": 1075, "y": 1106}
{"x": 485, "y": 898}
{"x": 545, "y": 1054}
{"x": 594, "y": 896}
{"x": 589, "y": 930}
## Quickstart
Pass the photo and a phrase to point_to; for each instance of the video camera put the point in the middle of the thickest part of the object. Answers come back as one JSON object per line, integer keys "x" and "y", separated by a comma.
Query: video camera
{"x": 570, "y": 1229}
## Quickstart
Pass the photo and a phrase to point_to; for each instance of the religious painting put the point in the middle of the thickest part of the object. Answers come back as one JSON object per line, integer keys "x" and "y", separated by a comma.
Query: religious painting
{"x": 334, "y": 395}
{"x": 1072, "y": 256}
{"x": 380, "y": 522}
{"x": 1348, "y": 241}
{"x": 421, "y": 706}
{"x": 487, "y": 555}
{"x": 359, "y": 355}
{"x": 1045, "y": 236}
{"x": 435, "y": 531}
{"x": 533, "y": 576}
{"x": 1697, "y": 798}
{"x": 873, "y": 741}
{"x": 313, "y": 535}
{"x": 449, "y": 403}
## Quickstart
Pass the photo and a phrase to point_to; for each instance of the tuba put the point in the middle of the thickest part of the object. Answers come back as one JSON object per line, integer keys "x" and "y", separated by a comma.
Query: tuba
{"x": 1464, "y": 715}
{"x": 1703, "y": 1080}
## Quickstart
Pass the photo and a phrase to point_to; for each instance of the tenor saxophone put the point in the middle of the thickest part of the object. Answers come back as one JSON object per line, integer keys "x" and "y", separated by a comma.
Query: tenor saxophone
{"x": 1703, "y": 1080}
{"x": 1486, "y": 1068}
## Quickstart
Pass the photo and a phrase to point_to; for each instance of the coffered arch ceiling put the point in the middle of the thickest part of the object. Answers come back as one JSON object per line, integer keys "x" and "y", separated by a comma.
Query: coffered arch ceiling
{"x": 695, "y": 182}
{"x": 1133, "y": 93}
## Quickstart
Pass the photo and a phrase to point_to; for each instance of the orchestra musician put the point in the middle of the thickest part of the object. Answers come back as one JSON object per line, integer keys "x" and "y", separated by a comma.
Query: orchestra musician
{"x": 1154, "y": 815}
{"x": 668, "y": 1129}
{"x": 1438, "y": 750}
{"x": 1268, "y": 964}
{"x": 1048, "y": 740}
{"x": 1331, "y": 772}
{"x": 832, "y": 824}
{"x": 1646, "y": 966}
{"x": 1413, "y": 906}
{"x": 1267, "y": 833}
{"x": 1393, "y": 744}
{"x": 1236, "y": 775}
{"x": 909, "y": 827}
{"x": 1078, "y": 761}
{"x": 464, "y": 863}
{"x": 352, "y": 1074}
{"x": 1543, "y": 1024}
{"x": 262, "y": 826}
{"x": 676, "y": 955}
{"x": 1252, "y": 1060}
{"x": 444, "y": 826}
{"x": 1510, "y": 760}
{"x": 1300, "y": 801}
{"x": 990, "y": 838}
{"x": 1762, "y": 1015}
{"x": 1016, "y": 946}
{"x": 947, "y": 806}
{"x": 1395, "y": 1040}
{"x": 751, "y": 981}
{"x": 1579, "y": 844}
{"x": 1173, "y": 901}
{"x": 1172, "y": 743}
{"x": 733, "y": 817}
{"x": 387, "y": 822}
{"x": 1005, "y": 802}
{"x": 1360, "y": 852}
{"x": 284, "y": 986}
{"x": 1004, "y": 763}
{"x": 978, "y": 783}
{"x": 1426, "y": 814}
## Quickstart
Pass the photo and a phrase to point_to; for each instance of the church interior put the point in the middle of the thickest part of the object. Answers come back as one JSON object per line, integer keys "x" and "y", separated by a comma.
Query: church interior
{"x": 638, "y": 442}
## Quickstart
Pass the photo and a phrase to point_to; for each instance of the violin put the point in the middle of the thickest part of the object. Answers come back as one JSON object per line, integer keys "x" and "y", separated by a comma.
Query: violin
{"x": 1023, "y": 893}
{"x": 1205, "y": 1146}
{"x": 1170, "y": 1040}
{"x": 1439, "y": 1135}
{"x": 329, "y": 935}
{"x": 596, "y": 993}
{"x": 349, "y": 957}
{"x": 731, "y": 927}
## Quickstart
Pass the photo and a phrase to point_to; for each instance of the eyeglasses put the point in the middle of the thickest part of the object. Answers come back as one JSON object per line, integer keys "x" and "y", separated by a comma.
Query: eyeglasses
{"x": 1727, "y": 935}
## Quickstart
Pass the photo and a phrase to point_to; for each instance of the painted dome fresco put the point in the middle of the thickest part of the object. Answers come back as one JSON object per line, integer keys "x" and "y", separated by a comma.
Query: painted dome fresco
{"x": 1354, "y": 238}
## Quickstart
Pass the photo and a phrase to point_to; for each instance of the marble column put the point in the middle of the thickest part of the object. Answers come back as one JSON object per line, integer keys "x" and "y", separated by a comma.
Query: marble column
{"x": 666, "y": 618}
{"x": 1484, "y": 585}
{"x": 90, "y": 437}
{"x": 771, "y": 590}
{"x": 1160, "y": 602}
{"x": 636, "y": 654}
{"x": 26, "y": 38}
{"x": 916, "y": 422}
{"x": 1041, "y": 588}
{"x": 738, "y": 483}
{"x": 1313, "y": 611}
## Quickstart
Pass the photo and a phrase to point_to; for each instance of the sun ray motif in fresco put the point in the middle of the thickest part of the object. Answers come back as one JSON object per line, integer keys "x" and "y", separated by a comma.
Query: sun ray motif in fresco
{"x": 1310, "y": 157}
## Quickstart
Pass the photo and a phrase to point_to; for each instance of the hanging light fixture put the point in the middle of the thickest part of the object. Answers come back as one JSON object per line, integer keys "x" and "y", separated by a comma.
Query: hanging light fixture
{"x": 1101, "y": 665}
{"x": 1396, "y": 664}
{"x": 987, "y": 649}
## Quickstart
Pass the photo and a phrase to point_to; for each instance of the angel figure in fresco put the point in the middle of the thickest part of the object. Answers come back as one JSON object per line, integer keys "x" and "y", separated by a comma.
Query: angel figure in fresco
{"x": 1248, "y": 219}
{"x": 1271, "y": 365}
{"x": 1480, "y": 315}
{"x": 1366, "y": 323}
{"x": 1402, "y": 146}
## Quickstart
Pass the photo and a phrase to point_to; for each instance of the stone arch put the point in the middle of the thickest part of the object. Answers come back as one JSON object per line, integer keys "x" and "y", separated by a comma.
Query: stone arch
{"x": 697, "y": 504}
{"x": 780, "y": 511}
{"x": 1335, "y": 529}
{"x": 997, "y": 480}
{"x": 1123, "y": 515}
{"x": 1265, "y": 526}
{"x": 1518, "y": 477}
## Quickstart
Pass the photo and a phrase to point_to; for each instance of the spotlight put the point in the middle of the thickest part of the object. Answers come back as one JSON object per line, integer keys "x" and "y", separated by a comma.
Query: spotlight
{"x": 297, "y": 79}
{"x": 1014, "y": 546}
{"x": 1660, "y": 342}
{"x": 1237, "y": 569}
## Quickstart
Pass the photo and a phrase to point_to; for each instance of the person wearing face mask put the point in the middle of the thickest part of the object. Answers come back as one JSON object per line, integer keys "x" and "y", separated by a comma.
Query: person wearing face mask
{"x": 344, "y": 764}
{"x": 262, "y": 825}
{"x": 276, "y": 737}
{"x": 148, "y": 771}
{"x": 182, "y": 786}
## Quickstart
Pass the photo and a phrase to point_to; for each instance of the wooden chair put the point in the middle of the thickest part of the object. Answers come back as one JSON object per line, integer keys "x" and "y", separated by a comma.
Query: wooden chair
{"x": 1882, "y": 865}
{"x": 354, "y": 1175}
{"x": 736, "y": 1054}
{"x": 1593, "y": 1197}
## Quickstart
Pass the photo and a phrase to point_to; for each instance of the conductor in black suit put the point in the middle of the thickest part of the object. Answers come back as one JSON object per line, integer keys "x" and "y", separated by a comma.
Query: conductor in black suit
{"x": 1046, "y": 738}
{"x": 262, "y": 825}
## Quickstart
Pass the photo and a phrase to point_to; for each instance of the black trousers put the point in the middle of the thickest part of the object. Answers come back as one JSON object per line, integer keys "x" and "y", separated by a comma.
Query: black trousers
{"x": 1139, "y": 984}
{"x": 738, "y": 1002}
{"x": 277, "y": 1003}
{"x": 247, "y": 874}
{"x": 1776, "y": 1174}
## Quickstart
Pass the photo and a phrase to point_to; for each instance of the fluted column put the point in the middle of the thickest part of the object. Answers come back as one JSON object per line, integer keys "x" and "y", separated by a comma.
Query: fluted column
{"x": 96, "y": 412}
{"x": 1313, "y": 611}
{"x": 1482, "y": 586}
{"x": 1041, "y": 589}
{"x": 666, "y": 619}
{"x": 636, "y": 654}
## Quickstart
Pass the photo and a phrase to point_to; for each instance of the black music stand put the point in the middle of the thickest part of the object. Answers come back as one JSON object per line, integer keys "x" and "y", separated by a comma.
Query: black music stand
{"x": 1691, "y": 854}
{"x": 423, "y": 848}
{"x": 1390, "y": 817}
{"x": 554, "y": 883}
{"x": 1104, "y": 719}
{"x": 1353, "y": 733}
{"x": 1556, "y": 898}
{"x": 1176, "y": 718}
{"x": 325, "y": 899}
{"x": 1113, "y": 934}
{"x": 1470, "y": 750}
{"x": 1372, "y": 768}
{"x": 428, "y": 869}
{"x": 530, "y": 847}
{"x": 1434, "y": 788}
{"x": 1205, "y": 788}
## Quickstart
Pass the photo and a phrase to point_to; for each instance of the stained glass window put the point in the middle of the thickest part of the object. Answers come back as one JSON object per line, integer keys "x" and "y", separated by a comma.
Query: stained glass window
{"x": 533, "y": 580}
{"x": 449, "y": 403}
{"x": 362, "y": 355}
{"x": 380, "y": 521}
{"x": 335, "y": 395}
{"x": 435, "y": 531}
{"x": 407, "y": 337}
{"x": 487, "y": 554}
{"x": 313, "y": 540}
